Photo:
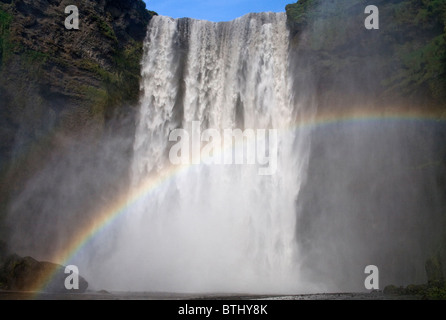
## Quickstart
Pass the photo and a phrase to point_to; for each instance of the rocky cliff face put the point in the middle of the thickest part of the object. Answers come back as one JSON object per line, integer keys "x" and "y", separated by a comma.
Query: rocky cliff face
{"x": 383, "y": 171}
{"x": 403, "y": 62}
{"x": 57, "y": 84}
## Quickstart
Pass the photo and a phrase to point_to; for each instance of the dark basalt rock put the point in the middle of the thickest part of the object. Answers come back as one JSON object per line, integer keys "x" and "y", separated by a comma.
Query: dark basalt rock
{"x": 28, "y": 274}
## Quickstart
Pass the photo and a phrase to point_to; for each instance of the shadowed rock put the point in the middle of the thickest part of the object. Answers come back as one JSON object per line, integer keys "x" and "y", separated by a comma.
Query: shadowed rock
{"x": 28, "y": 274}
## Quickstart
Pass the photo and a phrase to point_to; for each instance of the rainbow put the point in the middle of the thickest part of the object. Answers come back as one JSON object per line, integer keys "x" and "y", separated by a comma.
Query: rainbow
{"x": 106, "y": 216}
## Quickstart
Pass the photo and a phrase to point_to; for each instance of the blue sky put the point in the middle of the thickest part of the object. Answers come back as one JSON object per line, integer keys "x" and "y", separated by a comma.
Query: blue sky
{"x": 214, "y": 10}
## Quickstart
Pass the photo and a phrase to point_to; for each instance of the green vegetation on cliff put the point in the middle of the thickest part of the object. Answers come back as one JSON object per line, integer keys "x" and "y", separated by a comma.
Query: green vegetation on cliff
{"x": 407, "y": 53}
{"x": 120, "y": 85}
{"x": 105, "y": 28}
{"x": 5, "y": 21}
{"x": 72, "y": 66}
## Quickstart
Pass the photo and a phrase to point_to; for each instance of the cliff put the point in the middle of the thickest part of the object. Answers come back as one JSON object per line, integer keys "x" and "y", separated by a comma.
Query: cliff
{"x": 403, "y": 62}
{"x": 383, "y": 171}
{"x": 57, "y": 84}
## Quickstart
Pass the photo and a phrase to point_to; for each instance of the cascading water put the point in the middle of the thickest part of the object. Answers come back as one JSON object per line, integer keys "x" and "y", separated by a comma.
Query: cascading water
{"x": 210, "y": 227}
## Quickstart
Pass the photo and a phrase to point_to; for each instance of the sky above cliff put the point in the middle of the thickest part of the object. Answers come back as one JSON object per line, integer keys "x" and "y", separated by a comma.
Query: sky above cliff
{"x": 221, "y": 10}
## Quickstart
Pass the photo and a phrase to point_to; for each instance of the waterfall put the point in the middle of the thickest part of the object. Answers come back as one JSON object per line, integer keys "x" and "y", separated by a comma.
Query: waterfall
{"x": 211, "y": 227}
